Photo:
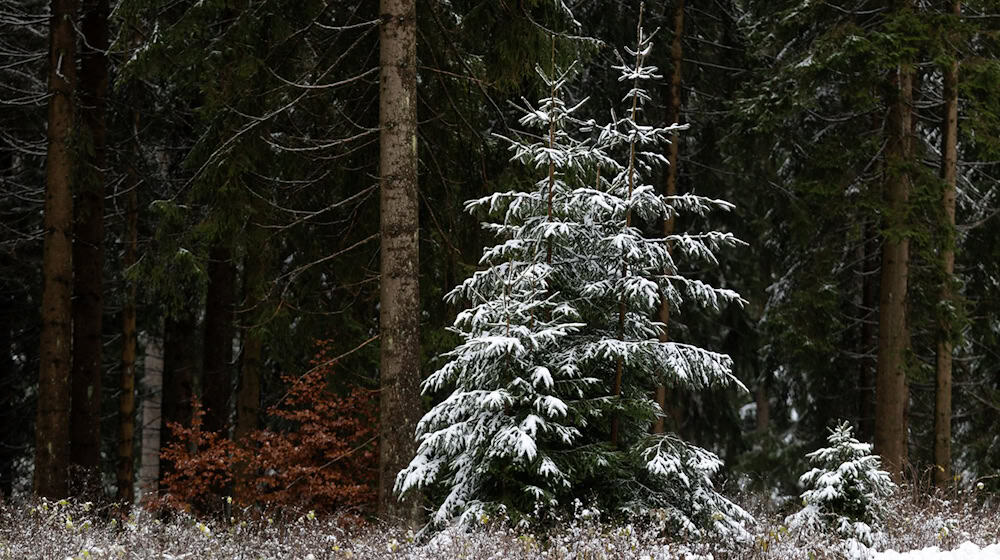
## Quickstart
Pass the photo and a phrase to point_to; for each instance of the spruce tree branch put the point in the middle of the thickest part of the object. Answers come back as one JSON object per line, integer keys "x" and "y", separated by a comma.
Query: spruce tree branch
{"x": 430, "y": 207}
{"x": 451, "y": 101}
{"x": 452, "y": 74}
{"x": 307, "y": 215}
{"x": 293, "y": 275}
{"x": 458, "y": 55}
{"x": 332, "y": 85}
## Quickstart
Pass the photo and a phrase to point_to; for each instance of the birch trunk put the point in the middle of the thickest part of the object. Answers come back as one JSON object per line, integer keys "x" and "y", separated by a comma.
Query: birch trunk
{"x": 152, "y": 393}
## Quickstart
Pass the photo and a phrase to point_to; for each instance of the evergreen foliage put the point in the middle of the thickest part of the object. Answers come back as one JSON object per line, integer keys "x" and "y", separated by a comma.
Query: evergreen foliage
{"x": 846, "y": 489}
{"x": 557, "y": 341}
{"x": 251, "y": 127}
{"x": 260, "y": 139}
{"x": 816, "y": 108}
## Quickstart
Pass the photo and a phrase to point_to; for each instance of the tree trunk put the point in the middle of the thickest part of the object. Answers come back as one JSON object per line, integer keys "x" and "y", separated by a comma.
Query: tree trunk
{"x": 763, "y": 402}
{"x": 670, "y": 188}
{"x": 152, "y": 391}
{"x": 399, "y": 316}
{"x": 52, "y": 424}
{"x": 869, "y": 333}
{"x": 8, "y": 423}
{"x": 949, "y": 172}
{"x": 217, "y": 377}
{"x": 893, "y": 335}
{"x": 180, "y": 364}
{"x": 88, "y": 253}
{"x": 248, "y": 395}
{"x": 126, "y": 401}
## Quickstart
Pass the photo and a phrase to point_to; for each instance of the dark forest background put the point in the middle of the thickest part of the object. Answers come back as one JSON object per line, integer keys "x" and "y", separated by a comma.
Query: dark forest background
{"x": 223, "y": 239}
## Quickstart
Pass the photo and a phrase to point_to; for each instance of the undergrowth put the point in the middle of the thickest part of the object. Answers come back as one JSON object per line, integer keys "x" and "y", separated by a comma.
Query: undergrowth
{"x": 81, "y": 531}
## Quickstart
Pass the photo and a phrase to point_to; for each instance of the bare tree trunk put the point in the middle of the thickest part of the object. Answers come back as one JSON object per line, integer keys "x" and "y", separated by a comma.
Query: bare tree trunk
{"x": 399, "y": 317}
{"x": 670, "y": 189}
{"x": 869, "y": 333}
{"x": 248, "y": 409}
{"x": 88, "y": 253}
{"x": 180, "y": 364}
{"x": 152, "y": 393}
{"x": 949, "y": 172}
{"x": 248, "y": 394}
{"x": 126, "y": 401}
{"x": 55, "y": 353}
{"x": 893, "y": 336}
{"x": 763, "y": 424}
{"x": 9, "y": 372}
{"x": 217, "y": 376}
{"x": 8, "y": 422}
{"x": 248, "y": 398}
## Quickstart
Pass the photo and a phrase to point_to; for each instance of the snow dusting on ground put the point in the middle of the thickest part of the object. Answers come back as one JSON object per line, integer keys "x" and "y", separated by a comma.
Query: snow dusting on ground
{"x": 967, "y": 551}
{"x": 966, "y": 527}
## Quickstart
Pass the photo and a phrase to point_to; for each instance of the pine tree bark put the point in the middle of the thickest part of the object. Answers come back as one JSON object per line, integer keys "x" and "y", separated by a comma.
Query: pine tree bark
{"x": 152, "y": 400}
{"x": 893, "y": 337}
{"x": 670, "y": 187}
{"x": 217, "y": 376}
{"x": 399, "y": 316}
{"x": 126, "y": 401}
{"x": 55, "y": 352}
{"x": 88, "y": 252}
{"x": 949, "y": 173}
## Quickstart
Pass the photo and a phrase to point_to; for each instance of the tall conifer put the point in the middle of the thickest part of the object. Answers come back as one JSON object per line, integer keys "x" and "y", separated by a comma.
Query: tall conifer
{"x": 946, "y": 334}
{"x": 88, "y": 249}
{"x": 891, "y": 393}
{"x": 558, "y": 349}
{"x": 52, "y": 427}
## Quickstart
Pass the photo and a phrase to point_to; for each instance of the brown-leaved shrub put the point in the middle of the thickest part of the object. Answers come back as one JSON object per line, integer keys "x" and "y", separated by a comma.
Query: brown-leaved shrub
{"x": 322, "y": 459}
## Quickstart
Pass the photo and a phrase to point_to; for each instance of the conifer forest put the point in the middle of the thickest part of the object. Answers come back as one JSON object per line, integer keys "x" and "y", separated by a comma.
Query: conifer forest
{"x": 439, "y": 264}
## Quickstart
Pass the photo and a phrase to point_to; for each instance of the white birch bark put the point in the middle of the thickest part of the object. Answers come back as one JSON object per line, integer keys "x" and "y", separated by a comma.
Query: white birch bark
{"x": 152, "y": 392}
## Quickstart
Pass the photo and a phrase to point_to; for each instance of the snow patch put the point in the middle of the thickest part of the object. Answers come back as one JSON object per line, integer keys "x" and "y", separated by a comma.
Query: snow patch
{"x": 966, "y": 551}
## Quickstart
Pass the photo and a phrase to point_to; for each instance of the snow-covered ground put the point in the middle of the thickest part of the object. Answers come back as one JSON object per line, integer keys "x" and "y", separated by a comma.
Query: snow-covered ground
{"x": 966, "y": 527}
{"x": 966, "y": 551}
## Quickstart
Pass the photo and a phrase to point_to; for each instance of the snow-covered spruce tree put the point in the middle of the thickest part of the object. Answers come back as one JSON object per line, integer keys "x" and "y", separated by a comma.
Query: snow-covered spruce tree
{"x": 550, "y": 388}
{"x": 845, "y": 490}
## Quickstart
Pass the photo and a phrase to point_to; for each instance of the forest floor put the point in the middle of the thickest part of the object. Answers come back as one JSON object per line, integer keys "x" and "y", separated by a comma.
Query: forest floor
{"x": 923, "y": 527}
